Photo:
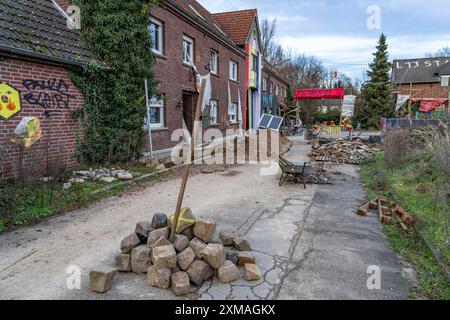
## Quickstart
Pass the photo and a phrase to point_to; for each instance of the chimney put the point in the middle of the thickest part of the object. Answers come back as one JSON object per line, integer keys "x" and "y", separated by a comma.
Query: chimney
{"x": 63, "y": 4}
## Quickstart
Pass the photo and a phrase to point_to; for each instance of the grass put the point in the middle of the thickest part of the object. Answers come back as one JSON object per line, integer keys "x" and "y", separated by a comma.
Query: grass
{"x": 412, "y": 185}
{"x": 26, "y": 205}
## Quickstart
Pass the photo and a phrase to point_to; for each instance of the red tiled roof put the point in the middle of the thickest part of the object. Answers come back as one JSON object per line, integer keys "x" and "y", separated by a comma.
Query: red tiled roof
{"x": 236, "y": 24}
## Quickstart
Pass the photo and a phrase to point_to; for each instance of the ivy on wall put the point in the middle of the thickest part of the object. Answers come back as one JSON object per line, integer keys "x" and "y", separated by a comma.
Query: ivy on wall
{"x": 113, "y": 116}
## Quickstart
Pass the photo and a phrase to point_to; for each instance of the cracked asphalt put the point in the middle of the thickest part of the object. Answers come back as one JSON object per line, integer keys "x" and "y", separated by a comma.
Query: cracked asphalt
{"x": 308, "y": 243}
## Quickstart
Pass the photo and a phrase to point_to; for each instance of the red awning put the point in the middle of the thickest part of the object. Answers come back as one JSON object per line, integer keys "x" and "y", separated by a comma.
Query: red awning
{"x": 303, "y": 94}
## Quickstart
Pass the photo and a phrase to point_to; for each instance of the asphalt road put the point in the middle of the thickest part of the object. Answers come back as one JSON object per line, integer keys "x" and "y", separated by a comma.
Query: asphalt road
{"x": 308, "y": 243}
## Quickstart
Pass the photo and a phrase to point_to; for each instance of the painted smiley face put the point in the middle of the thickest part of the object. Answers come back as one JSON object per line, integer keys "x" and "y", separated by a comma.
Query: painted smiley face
{"x": 9, "y": 101}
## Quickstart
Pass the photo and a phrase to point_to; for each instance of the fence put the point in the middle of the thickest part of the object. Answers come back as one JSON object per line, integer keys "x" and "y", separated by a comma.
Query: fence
{"x": 408, "y": 123}
{"x": 332, "y": 131}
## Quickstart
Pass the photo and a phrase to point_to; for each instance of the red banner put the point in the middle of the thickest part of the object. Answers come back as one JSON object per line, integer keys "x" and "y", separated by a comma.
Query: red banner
{"x": 303, "y": 94}
{"x": 431, "y": 105}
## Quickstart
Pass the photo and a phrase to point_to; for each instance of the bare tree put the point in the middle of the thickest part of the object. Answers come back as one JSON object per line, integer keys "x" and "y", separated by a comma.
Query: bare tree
{"x": 268, "y": 32}
{"x": 441, "y": 53}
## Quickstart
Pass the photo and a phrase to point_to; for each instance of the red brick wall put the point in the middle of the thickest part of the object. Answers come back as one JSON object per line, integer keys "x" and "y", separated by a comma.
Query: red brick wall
{"x": 175, "y": 77}
{"x": 40, "y": 95}
{"x": 424, "y": 90}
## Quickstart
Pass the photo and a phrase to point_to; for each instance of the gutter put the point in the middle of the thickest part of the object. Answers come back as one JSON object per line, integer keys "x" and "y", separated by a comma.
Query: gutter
{"x": 40, "y": 56}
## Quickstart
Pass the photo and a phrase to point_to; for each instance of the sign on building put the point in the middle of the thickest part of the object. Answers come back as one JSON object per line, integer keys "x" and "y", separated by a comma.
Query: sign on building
{"x": 348, "y": 106}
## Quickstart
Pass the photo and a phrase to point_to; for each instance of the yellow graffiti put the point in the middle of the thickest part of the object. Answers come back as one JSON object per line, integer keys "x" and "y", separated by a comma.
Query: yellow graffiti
{"x": 28, "y": 132}
{"x": 9, "y": 101}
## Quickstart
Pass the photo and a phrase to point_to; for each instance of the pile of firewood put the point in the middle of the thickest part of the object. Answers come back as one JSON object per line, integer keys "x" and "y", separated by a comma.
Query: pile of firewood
{"x": 388, "y": 212}
{"x": 350, "y": 150}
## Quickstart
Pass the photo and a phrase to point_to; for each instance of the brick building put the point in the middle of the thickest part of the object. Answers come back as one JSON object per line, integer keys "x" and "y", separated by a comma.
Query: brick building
{"x": 185, "y": 35}
{"x": 425, "y": 80}
{"x": 274, "y": 90}
{"x": 243, "y": 28}
{"x": 36, "y": 50}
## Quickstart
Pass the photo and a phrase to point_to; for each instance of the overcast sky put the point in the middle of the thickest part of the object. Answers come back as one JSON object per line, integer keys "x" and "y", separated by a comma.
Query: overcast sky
{"x": 337, "y": 31}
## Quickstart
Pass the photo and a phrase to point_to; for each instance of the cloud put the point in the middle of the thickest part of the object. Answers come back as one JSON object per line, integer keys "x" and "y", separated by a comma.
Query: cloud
{"x": 352, "y": 54}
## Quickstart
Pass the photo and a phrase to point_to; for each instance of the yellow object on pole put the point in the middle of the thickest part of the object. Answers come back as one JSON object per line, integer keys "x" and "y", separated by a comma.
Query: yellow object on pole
{"x": 187, "y": 166}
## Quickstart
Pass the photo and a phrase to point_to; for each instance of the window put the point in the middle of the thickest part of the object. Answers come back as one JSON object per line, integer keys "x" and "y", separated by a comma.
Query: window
{"x": 214, "y": 62}
{"x": 213, "y": 112}
{"x": 232, "y": 113}
{"x": 156, "y": 113}
{"x": 156, "y": 32}
{"x": 233, "y": 70}
{"x": 265, "y": 84}
{"x": 445, "y": 81}
{"x": 254, "y": 63}
{"x": 277, "y": 90}
{"x": 271, "y": 86}
{"x": 188, "y": 50}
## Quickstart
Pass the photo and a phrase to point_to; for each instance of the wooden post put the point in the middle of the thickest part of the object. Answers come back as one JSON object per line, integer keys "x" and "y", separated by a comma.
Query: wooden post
{"x": 410, "y": 102}
{"x": 187, "y": 166}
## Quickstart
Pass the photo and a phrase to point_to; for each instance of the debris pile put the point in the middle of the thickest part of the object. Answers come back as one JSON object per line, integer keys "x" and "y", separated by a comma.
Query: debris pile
{"x": 198, "y": 253}
{"x": 314, "y": 176}
{"x": 388, "y": 212}
{"x": 101, "y": 174}
{"x": 351, "y": 150}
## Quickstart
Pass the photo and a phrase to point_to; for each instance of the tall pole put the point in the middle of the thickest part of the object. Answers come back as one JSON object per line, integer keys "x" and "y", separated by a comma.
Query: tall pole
{"x": 149, "y": 121}
{"x": 187, "y": 165}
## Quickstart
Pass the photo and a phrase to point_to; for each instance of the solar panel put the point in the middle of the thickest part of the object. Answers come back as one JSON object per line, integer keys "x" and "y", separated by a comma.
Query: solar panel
{"x": 265, "y": 121}
{"x": 276, "y": 122}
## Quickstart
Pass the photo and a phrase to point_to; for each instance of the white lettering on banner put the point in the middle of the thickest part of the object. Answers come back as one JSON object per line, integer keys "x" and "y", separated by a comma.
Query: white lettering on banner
{"x": 414, "y": 64}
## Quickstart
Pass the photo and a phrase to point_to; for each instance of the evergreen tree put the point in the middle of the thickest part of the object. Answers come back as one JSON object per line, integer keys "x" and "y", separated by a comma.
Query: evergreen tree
{"x": 377, "y": 92}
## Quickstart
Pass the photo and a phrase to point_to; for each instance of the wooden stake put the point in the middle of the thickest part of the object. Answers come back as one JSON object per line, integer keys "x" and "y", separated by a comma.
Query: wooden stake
{"x": 187, "y": 166}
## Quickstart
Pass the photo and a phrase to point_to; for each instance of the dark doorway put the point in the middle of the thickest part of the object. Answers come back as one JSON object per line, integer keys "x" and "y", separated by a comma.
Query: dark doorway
{"x": 189, "y": 102}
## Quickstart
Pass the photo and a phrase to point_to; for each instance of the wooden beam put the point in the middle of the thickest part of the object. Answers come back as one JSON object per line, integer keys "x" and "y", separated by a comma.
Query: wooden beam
{"x": 187, "y": 165}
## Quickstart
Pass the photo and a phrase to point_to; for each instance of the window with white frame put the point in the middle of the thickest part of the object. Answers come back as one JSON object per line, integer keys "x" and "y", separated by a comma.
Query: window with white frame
{"x": 265, "y": 84}
{"x": 156, "y": 113}
{"x": 156, "y": 32}
{"x": 233, "y": 70}
{"x": 271, "y": 87}
{"x": 445, "y": 81}
{"x": 188, "y": 50}
{"x": 213, "y": 113}
{"x": 214, "y": 62}
{"x": 277, "y": 90}
{"x": 232, "y": 112}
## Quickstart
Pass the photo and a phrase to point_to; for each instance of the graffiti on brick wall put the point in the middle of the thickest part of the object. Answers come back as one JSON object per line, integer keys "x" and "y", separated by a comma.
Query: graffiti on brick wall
{"x": 53, "y": 95}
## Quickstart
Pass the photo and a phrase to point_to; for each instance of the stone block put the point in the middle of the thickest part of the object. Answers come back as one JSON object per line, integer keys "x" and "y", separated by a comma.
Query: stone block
{"x": 228, "y": 272}
{"x": 180, "y": 283}
{"x": 185, "y": 258}
{"x": 123, "y": 262}
{"x": 204, "y": 229}
{"x": 101, "y": 278}
{"x": 164, "y": 257}
{"x": 159, "y": 278}
{"x": 129, "y": 243}
{"x": 214, "y": 255}
{"x": 140, "y": 259}
{"x": 199, "y": 271}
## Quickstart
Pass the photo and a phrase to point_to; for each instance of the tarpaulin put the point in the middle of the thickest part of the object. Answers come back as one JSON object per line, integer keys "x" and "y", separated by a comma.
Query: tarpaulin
{"x": 302, "y": 94}
{"x": 431, "y": 105}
